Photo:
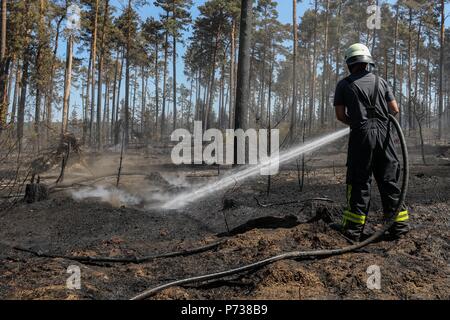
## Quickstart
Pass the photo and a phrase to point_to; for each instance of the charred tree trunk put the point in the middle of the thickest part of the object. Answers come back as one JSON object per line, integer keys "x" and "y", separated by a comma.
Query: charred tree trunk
{"x": 242, "y": 89}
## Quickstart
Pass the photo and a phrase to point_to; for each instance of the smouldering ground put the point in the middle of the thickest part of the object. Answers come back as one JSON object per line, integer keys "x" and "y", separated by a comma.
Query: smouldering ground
{"x": 413, "y": 267}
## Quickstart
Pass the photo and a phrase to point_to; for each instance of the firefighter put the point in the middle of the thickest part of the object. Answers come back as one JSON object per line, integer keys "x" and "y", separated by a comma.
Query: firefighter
{"x": 362, "y": 101}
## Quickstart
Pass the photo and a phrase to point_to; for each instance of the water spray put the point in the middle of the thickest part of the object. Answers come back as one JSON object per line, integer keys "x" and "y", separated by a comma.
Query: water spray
{"x": 304, "y": 254}
{"x": 243, "y": 174}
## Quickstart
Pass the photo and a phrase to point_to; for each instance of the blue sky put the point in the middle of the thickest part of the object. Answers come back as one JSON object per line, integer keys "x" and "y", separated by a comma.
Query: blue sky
{"x": 285, "y": 16}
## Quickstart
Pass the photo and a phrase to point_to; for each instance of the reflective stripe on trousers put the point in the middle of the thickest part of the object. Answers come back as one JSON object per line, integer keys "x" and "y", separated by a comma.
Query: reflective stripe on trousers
{"x": 402, "y": 216}
{"x": 350, "y": 216}
{"x": 353, "y": 217}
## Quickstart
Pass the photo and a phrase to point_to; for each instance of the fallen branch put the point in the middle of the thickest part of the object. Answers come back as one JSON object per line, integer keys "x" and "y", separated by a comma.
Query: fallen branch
{"x": 136, "y": 260}
{"x": 290, "y": 202}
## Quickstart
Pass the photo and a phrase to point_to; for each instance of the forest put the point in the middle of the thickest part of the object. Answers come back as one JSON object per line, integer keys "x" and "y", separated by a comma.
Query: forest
{"x": 118, "y": 71}
{"x": 91, "y": 91}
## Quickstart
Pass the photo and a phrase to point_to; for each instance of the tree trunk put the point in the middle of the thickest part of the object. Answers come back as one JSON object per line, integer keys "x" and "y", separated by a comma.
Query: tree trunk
{"x": 338, "y": 51}
{"x": 156, "y": 87}
{"x": 100, "y": 72}
{"x": 374, "y": 39}
{"x": 3, "y": 36}
{"x": 127, "y": 80}
{"x": 164, "y": 93}
{"x": 104, "y": 126}
{"x": 114, "y": 89}
{"x": 42, "y": 42}
{"x": 198, "y": 88}
{"x": 49, "y": 99}
{"x": 313, "y": 78}
{"x": 4, "y": 68}
{"x": 190, "y": 104}
{"x": 441, "y": 71}
{"x": 394, "y": 80}
{"x": 94, "y": 57}
{"x": 174, "y": 76}
{"x": 133, "y": 110}
{"x": 269, "y": 115}
{"x": 222, "y": 95}
{"x": 143, "y": 93}
{"x": 25, "y": 77}
{"x": 23, "y": 96}
{"x": 324, "y": 102}
{"x": 211, "y": 90}
{"x": 400, "y": 100}
{"x": 232, "y": 76}
{"x": 294, "y": 73}
{"x": 116, "y": 121}
{"x": 416, "y": 83}
{"x": 67, "y": 85}
{"x": 428, "y": 84}
{"x": 10, "y": 80}
{"x": 422, "y": 148}
{"x": 243, "y": 74}
{"x": 16, "y": 93}
{"x": 410, "y": 72}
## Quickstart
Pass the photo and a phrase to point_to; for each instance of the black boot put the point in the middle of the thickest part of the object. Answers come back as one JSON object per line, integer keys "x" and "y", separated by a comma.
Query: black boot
{"x": 351, "y": 235}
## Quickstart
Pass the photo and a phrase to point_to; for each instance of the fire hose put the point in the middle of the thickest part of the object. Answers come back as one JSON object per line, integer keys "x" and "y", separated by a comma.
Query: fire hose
{"x": 305, "y": 254}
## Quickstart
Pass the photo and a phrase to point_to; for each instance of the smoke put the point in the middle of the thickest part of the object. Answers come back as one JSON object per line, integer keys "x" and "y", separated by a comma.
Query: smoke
{"x": 111, "y": 195}
{"x": 176, "y": 179}
{"x": 143, "y": 193}
{"x": 179, "y": 193}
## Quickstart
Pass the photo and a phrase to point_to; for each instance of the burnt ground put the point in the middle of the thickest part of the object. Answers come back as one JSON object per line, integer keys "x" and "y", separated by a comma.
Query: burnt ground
{"x": 414, "y": 267}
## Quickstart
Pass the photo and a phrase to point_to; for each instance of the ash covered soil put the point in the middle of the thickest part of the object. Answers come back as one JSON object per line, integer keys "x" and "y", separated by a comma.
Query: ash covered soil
{"x": 413, "y": 267}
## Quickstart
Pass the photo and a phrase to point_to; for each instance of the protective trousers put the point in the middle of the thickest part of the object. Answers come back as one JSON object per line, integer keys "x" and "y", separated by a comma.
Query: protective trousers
{"x": 371, "y": 151}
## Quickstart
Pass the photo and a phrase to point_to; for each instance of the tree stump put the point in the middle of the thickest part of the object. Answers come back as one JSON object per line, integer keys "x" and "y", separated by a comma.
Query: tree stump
{"x": 35, "y": 192}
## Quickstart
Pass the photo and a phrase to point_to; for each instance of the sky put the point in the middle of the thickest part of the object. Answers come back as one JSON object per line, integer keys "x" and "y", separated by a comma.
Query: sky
{"x": 285, "y": 16}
